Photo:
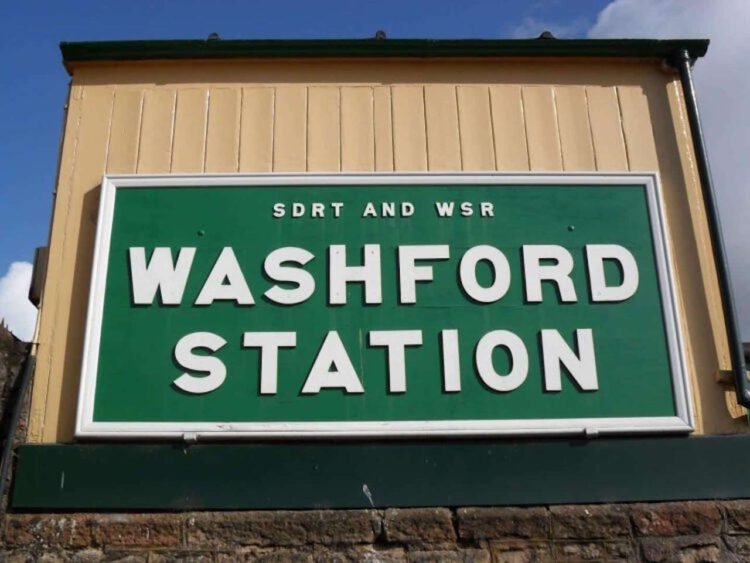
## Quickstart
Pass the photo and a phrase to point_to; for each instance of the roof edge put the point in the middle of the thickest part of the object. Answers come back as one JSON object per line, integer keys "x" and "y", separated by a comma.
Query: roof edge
{"x": 75, "y": 52}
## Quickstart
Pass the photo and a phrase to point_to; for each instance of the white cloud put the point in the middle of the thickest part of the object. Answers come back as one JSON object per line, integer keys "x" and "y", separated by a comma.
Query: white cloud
{"x": 723, "y": 88}
{"x": 15, "y": 308}
{"x": 530, "y": 28}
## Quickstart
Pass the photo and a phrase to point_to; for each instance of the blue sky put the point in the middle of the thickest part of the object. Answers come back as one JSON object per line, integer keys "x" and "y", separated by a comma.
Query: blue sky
{"x": 33, "y": 84}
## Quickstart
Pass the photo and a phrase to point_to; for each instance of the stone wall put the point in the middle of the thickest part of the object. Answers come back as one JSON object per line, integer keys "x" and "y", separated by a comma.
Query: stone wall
{"x": 687, "y": 531}
{"x": 12, "y": 353}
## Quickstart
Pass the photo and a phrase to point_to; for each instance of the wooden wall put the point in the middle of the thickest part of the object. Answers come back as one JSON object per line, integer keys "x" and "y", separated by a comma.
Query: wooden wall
{"x": 370, "y": 115}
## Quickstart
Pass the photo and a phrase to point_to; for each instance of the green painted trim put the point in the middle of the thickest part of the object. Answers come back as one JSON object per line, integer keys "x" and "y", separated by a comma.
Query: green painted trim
{"x": 353, "y": 48}
{"x": 405, "y": 473}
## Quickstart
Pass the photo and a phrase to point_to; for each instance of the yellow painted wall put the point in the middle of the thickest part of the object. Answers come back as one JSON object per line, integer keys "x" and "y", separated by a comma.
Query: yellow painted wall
{"x": 370, "y": 115}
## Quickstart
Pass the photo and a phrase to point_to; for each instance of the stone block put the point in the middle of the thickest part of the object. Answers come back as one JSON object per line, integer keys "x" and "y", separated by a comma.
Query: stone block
{"x": 738, "y": 516}
{"x": 419, "y": 525}
{"x": 180, "y": 557}
{"x": 739, "y": 545}
{"x": 266, "y": 555}
{"x": 50, "y": 530}
{"x": 503, "y": 523}
{"x": 21, "y": 556}
{"x": 229, "y": 530}
{"x": 126, "y": 557}
{"x": 521, "y": 551}
{"x": 87, "y": 556}
{"x": 139, "y": 530}
{"x": 362, "y": 553}
{"x": 589, "y": 522}
{"x": 691, "y": 549}
{"x": 622, "y": 550}
{"x": 676, "y": 519}
{"x": 450, "y": 556}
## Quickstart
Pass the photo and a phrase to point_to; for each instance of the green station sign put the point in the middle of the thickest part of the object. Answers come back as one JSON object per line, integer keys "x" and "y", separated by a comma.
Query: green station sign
{"x": 381, "y": 305}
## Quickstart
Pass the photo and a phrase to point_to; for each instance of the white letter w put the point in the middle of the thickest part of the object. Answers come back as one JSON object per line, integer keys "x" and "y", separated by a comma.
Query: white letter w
{"x": 160, "y": 274}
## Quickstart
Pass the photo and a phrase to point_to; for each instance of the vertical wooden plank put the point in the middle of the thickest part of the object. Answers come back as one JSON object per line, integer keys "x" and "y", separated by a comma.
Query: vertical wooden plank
{"x": 223, "y": 131}
{"x": 357, "y": 129}
{"x": 697, "y": 279}
{"x": 475, "y": 128}
{"x": 441, "y": 117}
{"x": 509, "y": 128}
{"x": 409, "y": 133}
{"x": 73, "y": 274}
{"x": 189, "y": 146}
{"x": 323, "y": 129}
{"x": 637, "y": 129}
{"x": 155, "y": 149}
{"x": 575, "y": 130}
{"x": 256, "y": 130}
{"x": 383, "y": 127}
{"x": 690, "y": 295}
{"x": 123, "y": 138}
{"x": 606, "y": 128}
{"x": 541, "y": 128}
{"x": 51, "y": 297}
{"x": 290, "y": 129}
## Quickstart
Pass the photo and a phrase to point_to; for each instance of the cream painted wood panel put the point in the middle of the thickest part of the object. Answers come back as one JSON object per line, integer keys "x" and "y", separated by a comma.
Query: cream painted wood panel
{"x": 157, "y": 126}
{"x": 409, "y": 129}
{"x": 71, "y": 275}
{"x": 606, "y": 129}
{"x": 50, "y": 341}
{"x": 357, "y": 129}
{"x": 637, "y": 128}
{"x": 189, "y": 146}
{"x": 709, "y": 289}
{"x": 643, "y": 129}
{"x": 475, "y": 128}
{"x": 575, "y": 129}
{"x": 223, "y": 131}
{"x": 383, "y": 128}
{"x": 384, "y": 115}
{"x": 290, "y": 129}
{"x": 124, "y": 135}
{"x": 256, "y": 130}
{"x": 542, "y": 134}
{"x": 509, "y": 128}
{"x": 276, "y": 72}
{"x": 695, "y": 274}
{"x": 323, "y": 129}
{"x": 441, "y": 119}
{"x": 682, "y": 243}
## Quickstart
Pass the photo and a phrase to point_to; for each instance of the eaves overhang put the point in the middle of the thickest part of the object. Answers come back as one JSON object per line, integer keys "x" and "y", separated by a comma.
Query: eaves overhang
{"x": 81, "y": 52}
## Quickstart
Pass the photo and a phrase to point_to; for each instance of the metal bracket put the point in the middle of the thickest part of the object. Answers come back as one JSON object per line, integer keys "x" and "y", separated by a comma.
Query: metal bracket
{"x": 591, "y": 432}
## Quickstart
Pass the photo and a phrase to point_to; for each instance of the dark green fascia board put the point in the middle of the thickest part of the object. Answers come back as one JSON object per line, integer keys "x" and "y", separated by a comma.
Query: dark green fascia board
{"x": 359, "y": 474}
{"x": 75, "y": 52}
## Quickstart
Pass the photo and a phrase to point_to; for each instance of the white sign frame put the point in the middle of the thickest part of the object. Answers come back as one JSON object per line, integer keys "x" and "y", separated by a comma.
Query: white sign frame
{"x": 86, "y": 427}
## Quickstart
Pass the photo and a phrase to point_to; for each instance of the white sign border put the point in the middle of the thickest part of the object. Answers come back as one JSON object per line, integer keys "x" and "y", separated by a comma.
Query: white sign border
{"x": 86, "y": 427}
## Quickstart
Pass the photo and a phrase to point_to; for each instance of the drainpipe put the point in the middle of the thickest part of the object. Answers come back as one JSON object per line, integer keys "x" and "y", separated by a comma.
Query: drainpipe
{"x": 683, "y": 63}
